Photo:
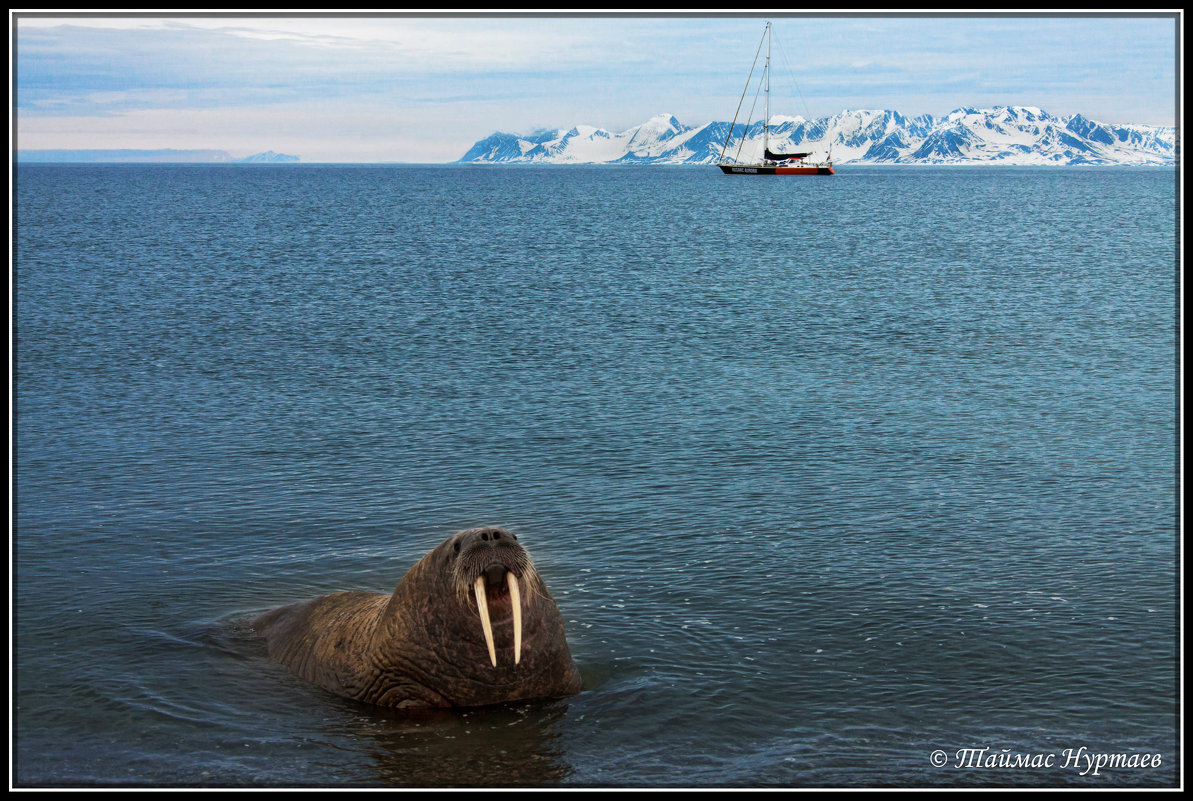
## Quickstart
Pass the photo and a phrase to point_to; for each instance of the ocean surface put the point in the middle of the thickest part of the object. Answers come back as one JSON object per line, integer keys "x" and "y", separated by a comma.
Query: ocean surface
{"x": 825, "y": 474}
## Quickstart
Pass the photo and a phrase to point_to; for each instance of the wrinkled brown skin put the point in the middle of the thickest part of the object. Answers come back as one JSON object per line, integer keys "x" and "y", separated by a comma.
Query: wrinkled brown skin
{"x": 423, "y": 646}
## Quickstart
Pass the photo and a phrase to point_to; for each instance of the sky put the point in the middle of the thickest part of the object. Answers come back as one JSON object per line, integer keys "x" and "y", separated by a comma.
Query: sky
{"x": 360, "y": 88}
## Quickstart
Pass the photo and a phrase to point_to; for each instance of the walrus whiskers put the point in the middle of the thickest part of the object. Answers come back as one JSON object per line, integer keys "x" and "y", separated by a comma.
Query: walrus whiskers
{"x": 482, "y": 606}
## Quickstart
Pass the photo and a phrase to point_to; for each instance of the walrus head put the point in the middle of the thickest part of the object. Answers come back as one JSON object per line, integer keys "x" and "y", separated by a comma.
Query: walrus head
{"x": 493, "y": 573}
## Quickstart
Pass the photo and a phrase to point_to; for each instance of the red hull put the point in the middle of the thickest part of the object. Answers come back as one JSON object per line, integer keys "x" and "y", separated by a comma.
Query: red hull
{"x": 817, "y": 170}
{"x": 770, "y": 169}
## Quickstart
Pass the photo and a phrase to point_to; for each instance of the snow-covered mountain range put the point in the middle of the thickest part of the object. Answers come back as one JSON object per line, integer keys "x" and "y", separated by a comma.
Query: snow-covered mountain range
{"x": 1012, "y": 135}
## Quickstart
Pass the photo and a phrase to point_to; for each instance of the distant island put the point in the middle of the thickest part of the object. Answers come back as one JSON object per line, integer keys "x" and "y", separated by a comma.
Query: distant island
{"x": 167, "y": 156}
{"x": 1009, "y": 135}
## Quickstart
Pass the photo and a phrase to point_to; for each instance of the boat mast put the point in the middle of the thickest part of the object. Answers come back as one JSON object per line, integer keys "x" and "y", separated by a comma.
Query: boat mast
{"x": 742, "y": 99}
{"x": 766, "y": 101}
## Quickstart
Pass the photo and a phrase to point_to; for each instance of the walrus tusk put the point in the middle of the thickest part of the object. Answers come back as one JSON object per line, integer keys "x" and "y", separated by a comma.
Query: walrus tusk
{"x": 516, "y": 602}
{"x": 482, "y": 606}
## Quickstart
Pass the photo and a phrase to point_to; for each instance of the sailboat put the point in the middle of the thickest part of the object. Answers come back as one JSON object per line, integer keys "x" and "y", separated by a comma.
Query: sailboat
{"x": 772, "y": 163}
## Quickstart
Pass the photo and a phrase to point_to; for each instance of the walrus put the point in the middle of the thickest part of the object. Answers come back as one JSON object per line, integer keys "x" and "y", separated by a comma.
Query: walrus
{"x": 470, "y": 624}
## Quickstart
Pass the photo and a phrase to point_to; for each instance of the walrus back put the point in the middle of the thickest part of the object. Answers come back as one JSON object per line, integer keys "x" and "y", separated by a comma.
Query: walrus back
{"x": 324, "y": 640}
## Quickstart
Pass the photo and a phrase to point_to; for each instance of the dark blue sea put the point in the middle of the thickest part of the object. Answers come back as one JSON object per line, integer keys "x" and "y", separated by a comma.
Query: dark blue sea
{"x": 837, "y": 481}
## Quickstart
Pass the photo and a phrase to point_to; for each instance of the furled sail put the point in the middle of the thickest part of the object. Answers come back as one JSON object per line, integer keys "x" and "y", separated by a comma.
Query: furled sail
{"x": 771, "y": 156}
